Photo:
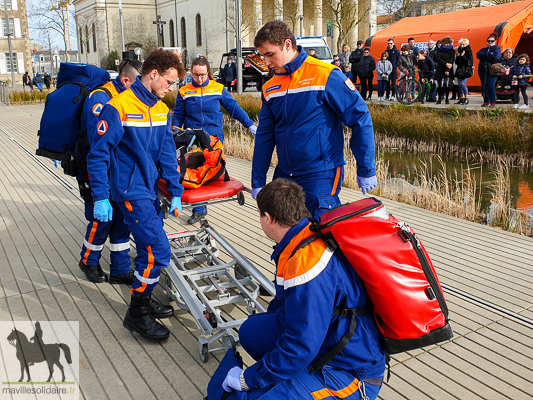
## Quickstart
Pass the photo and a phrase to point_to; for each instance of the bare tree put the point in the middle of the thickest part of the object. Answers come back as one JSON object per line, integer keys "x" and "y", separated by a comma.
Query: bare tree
{"x": 87, "y": 28}
{"x": 399, "y": 8}
{"x": 51, "y": 15}
{"x": 247, "y": 20}
{"x": 346, "y": 16}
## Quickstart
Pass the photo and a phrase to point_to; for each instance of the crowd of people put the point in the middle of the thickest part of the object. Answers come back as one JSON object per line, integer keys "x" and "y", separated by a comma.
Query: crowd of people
{"x": 39, "y": 81}
{"x": 443, "y": 68}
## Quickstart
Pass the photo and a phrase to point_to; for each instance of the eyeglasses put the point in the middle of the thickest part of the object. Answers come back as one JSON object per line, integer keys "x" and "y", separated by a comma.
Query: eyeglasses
{"x": 199, "y": 75}
{"x": 169, "y": 82}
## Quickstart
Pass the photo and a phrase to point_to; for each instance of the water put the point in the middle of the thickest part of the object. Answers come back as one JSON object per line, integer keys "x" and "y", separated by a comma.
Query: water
{"x": 406, "y": 165}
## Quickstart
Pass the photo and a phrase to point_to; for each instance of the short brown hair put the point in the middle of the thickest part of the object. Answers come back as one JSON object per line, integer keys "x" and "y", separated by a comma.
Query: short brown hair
{"x": 405, "y": 47}
{"x": 275, "y": 32}
{"x": 523, "y": 56}
{"x": 385, "y": 54}
{"x": 447, "y": 40}
{"x": 421, "y": 52}
{"x": 162, "y": 60}
{"x": 284, "y": 201}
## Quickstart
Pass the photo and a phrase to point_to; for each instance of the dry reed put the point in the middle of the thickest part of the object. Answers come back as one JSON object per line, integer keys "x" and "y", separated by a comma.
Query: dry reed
{"x": 22, "y": 97}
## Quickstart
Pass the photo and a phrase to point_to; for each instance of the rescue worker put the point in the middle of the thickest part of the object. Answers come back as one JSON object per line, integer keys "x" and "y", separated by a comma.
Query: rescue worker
{"x": 198, "y": 107}
{"x": 135, "y": 144}
{"x": 303, "y": 110}
{"x": 115, "y": 228}
{"x": 307, "y": 317}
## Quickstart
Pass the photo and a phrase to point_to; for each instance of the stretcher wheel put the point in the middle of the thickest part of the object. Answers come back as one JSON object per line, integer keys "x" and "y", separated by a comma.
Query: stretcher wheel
{"x": 204, "y": 353}
{"x": 230, "y": 343}
{"x": 240, "y": 198}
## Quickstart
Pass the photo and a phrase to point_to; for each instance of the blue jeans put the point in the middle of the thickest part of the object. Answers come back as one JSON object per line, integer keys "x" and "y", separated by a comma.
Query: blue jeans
{"x": 462, "y": 86}
{"x": 488, "y": 85}
{"x": 381, "y": 88}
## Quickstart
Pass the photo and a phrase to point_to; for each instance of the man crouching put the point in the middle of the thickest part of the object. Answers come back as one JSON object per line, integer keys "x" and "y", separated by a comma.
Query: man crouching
{"x": 302, "y": 324}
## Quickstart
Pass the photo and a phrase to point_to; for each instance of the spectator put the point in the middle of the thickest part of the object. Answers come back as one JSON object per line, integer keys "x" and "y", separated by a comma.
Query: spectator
{"x": 407, "y": 62}
{"x": 38, "y": 81}
{"x": 384, "y": 69}
{"x": 464, "y": 60}
{"x": 345, "y": 55}
{"x": 521, "y": 72}
{"x": 312, "y": 53}
{"x": 412, "y": 48}
{"x": 444, "y": 60}
{"x": 367, "y": 65}
{"x": 47, "y": 80}
{"x": 188, "y": 77}
{"x": 26, "y": 81}
{"x": 336, "y": 57}
{"x": 338, "y": 64}
{"x": 230, "y": 75}
{"x": 488, "y": 55}
{"x": 431, "y": 53}
{"x": 355, "y": 57}
{"x": 426, "y": 71}
{"x": 394, "y": 57}
{"x": 348, "y": 73}
{"x": 508, "y": 61}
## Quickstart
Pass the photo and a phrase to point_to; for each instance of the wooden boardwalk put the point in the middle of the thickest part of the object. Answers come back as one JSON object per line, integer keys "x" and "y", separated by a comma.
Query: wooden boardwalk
{"x": 487, "y": 275}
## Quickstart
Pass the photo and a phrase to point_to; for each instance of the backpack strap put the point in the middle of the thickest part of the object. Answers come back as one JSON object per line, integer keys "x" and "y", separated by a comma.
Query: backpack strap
{"x": 304, "y": 243}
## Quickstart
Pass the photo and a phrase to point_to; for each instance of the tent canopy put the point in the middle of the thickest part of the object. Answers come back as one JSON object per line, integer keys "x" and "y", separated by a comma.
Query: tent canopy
{"x": 510, "y": 21}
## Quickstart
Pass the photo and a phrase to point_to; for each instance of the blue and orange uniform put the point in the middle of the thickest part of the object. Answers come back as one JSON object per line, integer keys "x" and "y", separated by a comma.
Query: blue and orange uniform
{"x": 198, "y": 107}
{"x": 135, "y": 145}
{"x": 299, "y": 328}
{"x": 97, "y": 231}
{"x": 302, "y": 116}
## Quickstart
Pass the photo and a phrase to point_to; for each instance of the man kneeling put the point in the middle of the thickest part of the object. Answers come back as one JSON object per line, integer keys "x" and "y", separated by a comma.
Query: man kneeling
{"x": 302, "y": 323}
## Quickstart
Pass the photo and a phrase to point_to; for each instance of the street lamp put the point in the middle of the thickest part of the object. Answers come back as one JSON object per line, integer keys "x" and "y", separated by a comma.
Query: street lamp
{"x": 11, "y": 58}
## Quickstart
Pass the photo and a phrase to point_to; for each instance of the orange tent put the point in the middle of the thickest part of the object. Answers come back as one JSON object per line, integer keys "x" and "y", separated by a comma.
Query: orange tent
{"x": 513, "y": 22}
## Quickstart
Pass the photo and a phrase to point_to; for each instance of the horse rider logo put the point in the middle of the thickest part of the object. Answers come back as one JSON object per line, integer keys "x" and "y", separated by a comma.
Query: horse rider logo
{"x": 34, "y": 351}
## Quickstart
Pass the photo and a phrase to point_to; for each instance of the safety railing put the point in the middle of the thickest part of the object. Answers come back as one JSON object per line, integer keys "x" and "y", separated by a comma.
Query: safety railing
{"x": 4, "y": 92}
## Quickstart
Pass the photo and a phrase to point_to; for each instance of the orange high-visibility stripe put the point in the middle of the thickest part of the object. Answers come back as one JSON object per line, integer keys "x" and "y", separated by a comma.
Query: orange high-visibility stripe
{"x": 128, "y": 206}
{"x": 90, "y": 240}
{"x": 146, "y": 273}
{"x": 337, "y": 177}
{"x": 339, "y": 394}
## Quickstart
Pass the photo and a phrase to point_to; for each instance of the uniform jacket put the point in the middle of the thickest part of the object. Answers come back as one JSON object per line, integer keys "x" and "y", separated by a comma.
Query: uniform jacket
{"x": 309, "y": 287}
{"x": 302, "y": 115}
{"x": 426, "y": 68}
{"x": 366, "y": 67}
{"x": 135, "y": 144}
{"x": 198, "y": 107}
{"x": 355, "y": 57}
{"x": 521, "y": 69}
{"x": 444, "y": 55}
{"x": 491, "y": 54}
{"x": 383, "y": 67}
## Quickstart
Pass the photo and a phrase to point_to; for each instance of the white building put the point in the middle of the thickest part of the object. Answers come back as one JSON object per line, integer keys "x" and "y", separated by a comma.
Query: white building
{"x": 200, "y": 26}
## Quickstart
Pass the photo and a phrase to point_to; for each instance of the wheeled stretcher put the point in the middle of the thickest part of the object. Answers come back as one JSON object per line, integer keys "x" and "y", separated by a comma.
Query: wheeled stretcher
{"x": 206, "y": 272}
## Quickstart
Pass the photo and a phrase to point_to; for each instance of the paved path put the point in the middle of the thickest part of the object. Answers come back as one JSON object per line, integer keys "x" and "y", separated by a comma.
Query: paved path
{"x": 487, "y": 275}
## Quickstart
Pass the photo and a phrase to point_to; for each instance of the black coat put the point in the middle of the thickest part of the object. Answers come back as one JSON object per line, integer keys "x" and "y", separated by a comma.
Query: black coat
{"x": 466, "y": 60}
{"x": 432, "y": 53}
{"x": 367, "y": 65}
{"x": 355, "y": 57}
{"x": 511, "y": 62}
{"x": 443, "y": 57}
{"x": 426, "y": 68}
{"x": 394, "y": 57}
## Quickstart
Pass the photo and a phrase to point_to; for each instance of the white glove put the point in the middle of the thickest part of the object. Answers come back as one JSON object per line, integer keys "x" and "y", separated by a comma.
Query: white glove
{"x": 253, "y": 129}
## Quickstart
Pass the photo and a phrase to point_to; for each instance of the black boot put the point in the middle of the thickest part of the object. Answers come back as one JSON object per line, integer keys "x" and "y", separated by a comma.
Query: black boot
{"x": 447, "y": 99}
{"x": 196, "y": 216}
{"x": 439, "y": 100}
{"x": 126, "y": 279}
{"x": 93, "y": 273}
{"x": 466, "y": 101}
{"x": 159, "y": 310}
{"x": 139, "y": 319}
{"x": 461, "y": 101}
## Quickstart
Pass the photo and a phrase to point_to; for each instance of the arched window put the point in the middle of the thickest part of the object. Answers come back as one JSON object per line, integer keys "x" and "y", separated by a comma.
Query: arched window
{"x": 198, "y": 30}
{"x": 171, "y": 33}
{"x": 94, "y": 38}
{"x": 183, "y": 33}
{"x": 81, "y": 40}
{"x": 87, "y": 39}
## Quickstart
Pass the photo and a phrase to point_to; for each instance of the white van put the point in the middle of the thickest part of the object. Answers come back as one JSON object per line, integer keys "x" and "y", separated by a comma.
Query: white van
{"x": 319, "y": 44}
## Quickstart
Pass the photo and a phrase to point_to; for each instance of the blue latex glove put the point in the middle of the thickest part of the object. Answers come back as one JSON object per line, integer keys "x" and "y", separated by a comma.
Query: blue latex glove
{"x": 255, "y": 191}
{"x": 103, "y": 211}
{"x": 253, "y": 129}
{"x": 366, "y": 183}
{"x": 175, "y": 206}
{"x": 233, "y": 380}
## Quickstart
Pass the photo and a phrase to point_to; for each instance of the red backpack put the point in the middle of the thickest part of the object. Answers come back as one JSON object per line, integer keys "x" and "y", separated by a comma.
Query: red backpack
{"x": 408, "y": 304}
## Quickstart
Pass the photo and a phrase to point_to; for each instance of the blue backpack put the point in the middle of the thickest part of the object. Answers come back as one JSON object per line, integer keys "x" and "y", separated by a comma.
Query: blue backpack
{"x": 61, "y": 121}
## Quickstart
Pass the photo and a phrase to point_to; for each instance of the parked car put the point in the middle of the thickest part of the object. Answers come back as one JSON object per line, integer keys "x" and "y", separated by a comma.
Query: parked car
{"x": 112, "y": 73}
{"x": 254, "y": 71}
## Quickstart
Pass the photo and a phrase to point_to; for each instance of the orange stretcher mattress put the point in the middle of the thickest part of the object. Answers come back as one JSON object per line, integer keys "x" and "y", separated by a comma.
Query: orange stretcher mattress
{"x": 211, "y": 191}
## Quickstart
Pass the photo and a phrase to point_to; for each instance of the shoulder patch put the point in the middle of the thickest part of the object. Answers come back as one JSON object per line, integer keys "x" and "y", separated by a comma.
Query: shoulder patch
{"x": 101, "y": 128}
{"x": 348, "y": 82}
{"x": 97, "y": 108}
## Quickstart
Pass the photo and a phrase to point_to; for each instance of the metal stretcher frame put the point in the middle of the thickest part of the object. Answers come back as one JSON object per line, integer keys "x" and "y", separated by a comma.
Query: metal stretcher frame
{"x": 201, "y": 283}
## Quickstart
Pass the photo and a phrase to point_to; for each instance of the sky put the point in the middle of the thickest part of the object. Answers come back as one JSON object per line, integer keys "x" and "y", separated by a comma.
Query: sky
{"x": 57, "y": 39}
